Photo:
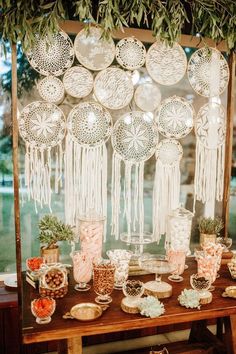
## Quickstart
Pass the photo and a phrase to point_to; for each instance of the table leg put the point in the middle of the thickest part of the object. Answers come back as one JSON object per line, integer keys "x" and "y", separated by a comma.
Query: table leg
{"x": 74, "y": 345}
{"x": 230, "y": 334}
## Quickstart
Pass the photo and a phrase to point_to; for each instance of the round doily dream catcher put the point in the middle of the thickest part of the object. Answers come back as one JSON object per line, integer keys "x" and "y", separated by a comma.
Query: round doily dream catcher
{"x": 52, "y": 56}
{"x": 93, "y": 51}
{"x": 42, "y": 127}
{"x": 78, "y": 81}
{"x": 208, "y": 72}
{"x": 130, "y": 53}
{"x": 113, "y": 88}
{"x": 147, "y": 97}
{"x": 166, "y": 65}
{"x": 134, "y": 140}
{"x": 175, "y": 117}
{"x": 166, "y": 190}
{"x": 51, "y": 89}
{"x": 89, "y": 127}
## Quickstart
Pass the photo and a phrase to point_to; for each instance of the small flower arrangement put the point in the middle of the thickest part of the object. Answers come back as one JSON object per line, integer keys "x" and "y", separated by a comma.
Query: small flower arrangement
{"x": 150, "y": 306}
{"x": 190, "y": 299}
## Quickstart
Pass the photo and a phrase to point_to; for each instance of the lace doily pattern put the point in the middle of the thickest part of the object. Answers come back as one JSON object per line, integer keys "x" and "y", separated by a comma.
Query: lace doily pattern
{"x": 175, "y": 117}
{"x": 169, "y": 152}
{"x": 42, "y": 124}
{"x": 166, "y": 65}
{"x": 147, "y": 97}
{"x": 52, "y": 56}
{"x": 51, "y": 89}
{"x": 113, "y": 88}
{"x": 130, "y": 53}
{"x": 92, "y": 51}
{"x": 208, "y": 72}
{"x": 89, "y": 124}
{"x": 135, "y": 136}
{"x": 78, "y": 81}
{"x": 210, "y": 125}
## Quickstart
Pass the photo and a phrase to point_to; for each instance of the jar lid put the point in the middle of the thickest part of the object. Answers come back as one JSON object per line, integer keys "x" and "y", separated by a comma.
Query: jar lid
{"x": 182, "y": 213}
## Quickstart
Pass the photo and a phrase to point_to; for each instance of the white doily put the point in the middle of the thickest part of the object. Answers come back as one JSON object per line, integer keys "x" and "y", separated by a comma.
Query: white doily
{"x": 135, "y": 137}
{"x": 78, "y": 81}
{"x": 51, "y": 89}
{"x": 169, "y": 151}
{"x": 89, "y": 124}
{"x": 130, "y": 53}
{"x": 113, "y": 88}
{"x": 166, "y": 65}
{"x": 92, "y": 51}
{"x": 208, "y": 72}
{"x": 52, "y": 56}
{"x": 175, "y": 117}
{"x": 211, "y": 131}
{"x": 147, "y": 97}
{"x": 42, "y": 124}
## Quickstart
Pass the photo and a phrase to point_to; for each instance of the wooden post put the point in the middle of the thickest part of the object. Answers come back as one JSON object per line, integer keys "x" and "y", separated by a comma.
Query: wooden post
{"x": 229, "y": 143}
{"x": 16, "y": 183}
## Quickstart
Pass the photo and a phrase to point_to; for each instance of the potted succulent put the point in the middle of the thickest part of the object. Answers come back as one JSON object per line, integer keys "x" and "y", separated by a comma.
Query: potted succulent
{"x": 209, "y": 229}
{"x": 52, "y": 230}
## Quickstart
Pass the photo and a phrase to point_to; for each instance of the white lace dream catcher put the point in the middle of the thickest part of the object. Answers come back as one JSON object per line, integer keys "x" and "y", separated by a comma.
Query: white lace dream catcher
{"x": 51, "y": 89}
{"x": 147, "y": 97}
{"x": 166, "y": 192}
{"x": 42, "y": 126}
{"x": 78, "y": 81}
{"x": 89, "y": 127}
{"x": 134, "y": 140}
{"x": 130, "y": 53}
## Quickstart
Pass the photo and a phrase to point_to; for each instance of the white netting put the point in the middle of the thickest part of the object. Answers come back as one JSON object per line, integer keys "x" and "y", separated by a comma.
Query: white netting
{"x": 175, "y": 117}
{"x": 135, "y": 136}
{"x": 89, "y": 124}
{"x": 92, "y": 51}
{"x": 78, "y": 81}
{"x": 166, "y": 191}
{"x": 52, "y": 56}
{"x": 42, "y": 124}
{"x": 51, "y": 89}
{"x": 147, "y": 97}
{"x": 166, "y": 65}
{"x": 130, "y": 53}
{"x": 211, "y": 131}
{"x": 208, "y": 72}
{"x": 113, "y": 88}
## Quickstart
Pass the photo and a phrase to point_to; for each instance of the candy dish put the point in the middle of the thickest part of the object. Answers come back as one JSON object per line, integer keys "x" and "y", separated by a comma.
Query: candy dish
{"x": 230, "y": 291}
{"x": 42, "y": 309}
{"x": 33, "y": 264}
{"x": 133, "y": 290}
{"x": 86, "y": 311}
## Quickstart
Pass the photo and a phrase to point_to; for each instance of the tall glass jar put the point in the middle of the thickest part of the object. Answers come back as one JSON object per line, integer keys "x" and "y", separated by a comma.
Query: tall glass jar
{"x": 179, "y": 224}
{"x": 91, "y": 230}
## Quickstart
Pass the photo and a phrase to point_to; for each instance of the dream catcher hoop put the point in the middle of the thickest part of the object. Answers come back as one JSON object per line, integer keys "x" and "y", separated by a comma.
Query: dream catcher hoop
{"x": 210, "y": 129}
{"x": 42, "y": 127}
{"x": 147, "y": 97}
{"x": 166, "y": 65}
{"x": 130, "y": 53}
{"x": 52, "y": 56}
{"x": 166, "y": 190}
{"x": 51, "y": 89}
{"x": 78, "y": 81}
{"x": 175, "y": 117}
{"x": 93, "y": 51}
{"x": 134, "y": 140}
{"x": 89, "y": 127}
{"x": 113, "y": 88}
{"x": 208, "y": 65}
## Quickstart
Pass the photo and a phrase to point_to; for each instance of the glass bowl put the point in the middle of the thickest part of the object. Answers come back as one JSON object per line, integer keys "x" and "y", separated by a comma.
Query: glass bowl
{"x": 133, "y": 289}
{"x": 33, "y": 264}
{"x": 200, "y": 283}
{"x": 43, "y": 309}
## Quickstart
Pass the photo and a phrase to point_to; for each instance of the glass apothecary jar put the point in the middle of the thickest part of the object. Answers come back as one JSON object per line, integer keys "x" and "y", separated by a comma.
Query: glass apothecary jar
{"x": 53, "y": 281}
{"x": 179, "y": 224}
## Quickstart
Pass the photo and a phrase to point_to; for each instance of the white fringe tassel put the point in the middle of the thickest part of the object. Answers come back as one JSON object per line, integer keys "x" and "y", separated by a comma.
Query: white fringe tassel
{"x": 85, "y": 181}
{"x": 166, "y": 195}
{"x": 38, "y": 169}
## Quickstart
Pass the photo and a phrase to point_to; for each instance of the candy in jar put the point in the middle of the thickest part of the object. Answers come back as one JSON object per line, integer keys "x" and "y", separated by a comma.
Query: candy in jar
{"x": 82, "y": 270}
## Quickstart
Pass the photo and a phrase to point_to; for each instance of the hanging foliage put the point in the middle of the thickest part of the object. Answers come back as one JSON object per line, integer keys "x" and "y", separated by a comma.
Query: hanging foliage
{"x": 216, "y": 19}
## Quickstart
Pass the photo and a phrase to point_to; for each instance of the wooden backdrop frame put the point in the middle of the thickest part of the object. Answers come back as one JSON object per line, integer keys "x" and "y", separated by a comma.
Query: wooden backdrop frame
{"x": 73, "y": 27}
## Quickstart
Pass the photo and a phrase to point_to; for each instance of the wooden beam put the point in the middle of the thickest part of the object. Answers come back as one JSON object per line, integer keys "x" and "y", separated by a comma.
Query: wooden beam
{"x": 229, "y": 142}
{"x": 16, "y": 183}
{"x": 73, "y": 27}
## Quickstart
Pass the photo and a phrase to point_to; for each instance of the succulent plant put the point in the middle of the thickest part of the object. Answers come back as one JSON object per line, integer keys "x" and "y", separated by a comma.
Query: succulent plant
{"x": 189, "y": 298}
{"x": 151, "y": 307}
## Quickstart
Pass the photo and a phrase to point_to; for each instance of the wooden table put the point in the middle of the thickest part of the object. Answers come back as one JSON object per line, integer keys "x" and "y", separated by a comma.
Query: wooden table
{"x": 115, "y": 320}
